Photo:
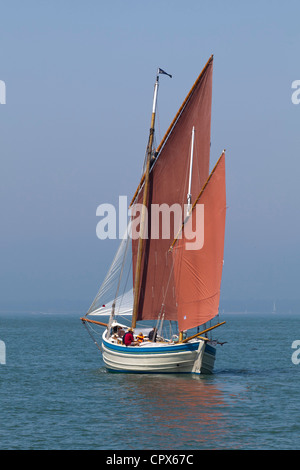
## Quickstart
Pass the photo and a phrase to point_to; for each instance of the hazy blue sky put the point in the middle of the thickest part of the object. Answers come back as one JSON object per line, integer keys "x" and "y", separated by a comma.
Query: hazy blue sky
{"x": 79, "y": 80}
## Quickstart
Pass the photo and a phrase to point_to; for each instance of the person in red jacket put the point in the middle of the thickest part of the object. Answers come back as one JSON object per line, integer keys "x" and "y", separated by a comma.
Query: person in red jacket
{"x": 128, "y": 338}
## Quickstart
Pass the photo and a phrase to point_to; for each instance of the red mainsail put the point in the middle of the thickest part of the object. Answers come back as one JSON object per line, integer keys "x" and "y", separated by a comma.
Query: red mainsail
{"x": 168, "y": 185}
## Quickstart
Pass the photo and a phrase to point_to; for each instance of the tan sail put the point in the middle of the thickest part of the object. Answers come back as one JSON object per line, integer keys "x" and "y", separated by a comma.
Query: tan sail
{"x": 168, "y": 183}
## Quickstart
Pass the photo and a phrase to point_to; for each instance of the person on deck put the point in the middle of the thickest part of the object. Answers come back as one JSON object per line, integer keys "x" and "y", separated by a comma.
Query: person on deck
{"x": 128, "y": 338}
{"x": 152, "y": 335}
{"x": 121, "y": 332}
{"x": 140, "y": 338}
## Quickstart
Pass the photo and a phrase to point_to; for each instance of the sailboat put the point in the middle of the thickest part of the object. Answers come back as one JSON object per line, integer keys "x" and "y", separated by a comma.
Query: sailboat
{"x": 169, "y": 275}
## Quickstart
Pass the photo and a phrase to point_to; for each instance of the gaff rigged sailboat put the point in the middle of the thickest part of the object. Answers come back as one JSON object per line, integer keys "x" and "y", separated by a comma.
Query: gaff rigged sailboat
{"x": 174, "y": 270}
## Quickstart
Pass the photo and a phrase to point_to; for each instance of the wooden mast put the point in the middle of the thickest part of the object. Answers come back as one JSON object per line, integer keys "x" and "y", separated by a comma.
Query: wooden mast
{"x": 143, "y": 215}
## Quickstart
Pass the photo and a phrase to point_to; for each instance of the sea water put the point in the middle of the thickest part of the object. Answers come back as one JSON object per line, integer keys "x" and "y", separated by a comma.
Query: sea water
{"x": 55, "y": 392}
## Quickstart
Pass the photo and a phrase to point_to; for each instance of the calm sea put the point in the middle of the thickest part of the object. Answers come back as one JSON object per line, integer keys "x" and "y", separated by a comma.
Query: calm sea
{"x": 56, "y": 394}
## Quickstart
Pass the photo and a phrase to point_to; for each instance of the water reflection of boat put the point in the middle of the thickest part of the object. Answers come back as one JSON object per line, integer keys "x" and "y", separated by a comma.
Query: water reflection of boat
{"x": 184, "y": 409}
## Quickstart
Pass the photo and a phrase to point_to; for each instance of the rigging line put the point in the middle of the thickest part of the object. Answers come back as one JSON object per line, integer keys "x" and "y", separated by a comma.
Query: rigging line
{"x": 174, "y": 255}
{"x": 158, "y": 125}
{"x": 166, "y": 290}
{"x": 126, "y": 282}
{"x": 162, "y": 290}
{"x": 158, "y": 320}
{"x": 94, "y": 329}
{"x": 160, "y": 329}
{"x": 144, "y": 165}
{"x": 107, "y": 278}
{"x": 123, "y": 263}
{"x": 88, "y": 330}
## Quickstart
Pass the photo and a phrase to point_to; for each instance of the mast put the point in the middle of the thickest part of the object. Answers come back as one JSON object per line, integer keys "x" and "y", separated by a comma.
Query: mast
{"x": 145, "y": 198}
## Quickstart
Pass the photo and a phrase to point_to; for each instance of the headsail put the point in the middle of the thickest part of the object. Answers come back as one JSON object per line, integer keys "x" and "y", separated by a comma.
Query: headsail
{"x": 123, "y": 305}
{"x": 198, "y": 272}
{"x": 169, "y": 186}
{"x": 115, "y": 293}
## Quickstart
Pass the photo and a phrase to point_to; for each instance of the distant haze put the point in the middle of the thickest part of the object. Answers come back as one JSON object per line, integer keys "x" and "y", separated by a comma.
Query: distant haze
{"x": 79, "y": 80}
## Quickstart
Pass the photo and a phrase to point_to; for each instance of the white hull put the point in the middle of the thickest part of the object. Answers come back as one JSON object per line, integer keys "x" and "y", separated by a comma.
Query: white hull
{"x": 192, "y": 357}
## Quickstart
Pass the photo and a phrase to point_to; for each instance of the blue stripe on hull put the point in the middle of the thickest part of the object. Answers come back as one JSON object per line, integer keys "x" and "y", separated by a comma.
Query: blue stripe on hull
{"x": 210, "y": 349}
{"x": 139, "y": 351}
